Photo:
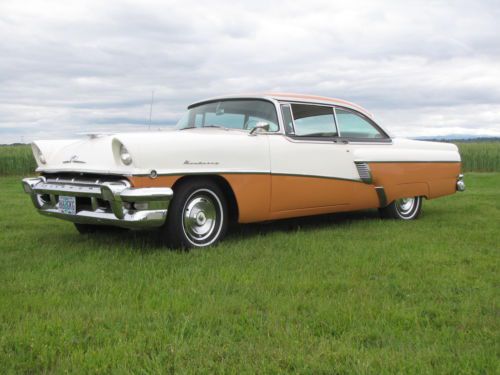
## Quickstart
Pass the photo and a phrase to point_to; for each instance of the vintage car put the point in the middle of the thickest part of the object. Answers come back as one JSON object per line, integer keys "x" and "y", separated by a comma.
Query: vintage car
{"x": 245, "y": 158}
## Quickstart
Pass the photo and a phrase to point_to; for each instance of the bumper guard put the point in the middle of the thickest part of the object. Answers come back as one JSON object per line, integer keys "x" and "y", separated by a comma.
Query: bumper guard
{"x": 460, "y": 183}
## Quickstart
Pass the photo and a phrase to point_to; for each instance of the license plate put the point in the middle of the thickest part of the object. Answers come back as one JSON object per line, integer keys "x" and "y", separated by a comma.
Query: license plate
{"x": 67, "y": 205}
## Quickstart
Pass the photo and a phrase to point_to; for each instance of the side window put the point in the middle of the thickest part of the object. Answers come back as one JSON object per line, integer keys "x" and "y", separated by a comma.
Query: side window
{"x": 352, "y": 125}
{"x": 313, "y": 121}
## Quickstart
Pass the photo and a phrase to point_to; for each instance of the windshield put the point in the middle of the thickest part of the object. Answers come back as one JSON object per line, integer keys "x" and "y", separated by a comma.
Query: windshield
{"x": 231, "y": 114}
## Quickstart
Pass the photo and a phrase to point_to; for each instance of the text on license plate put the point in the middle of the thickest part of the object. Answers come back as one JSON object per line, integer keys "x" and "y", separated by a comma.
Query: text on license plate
{"x": 67, "y": 205}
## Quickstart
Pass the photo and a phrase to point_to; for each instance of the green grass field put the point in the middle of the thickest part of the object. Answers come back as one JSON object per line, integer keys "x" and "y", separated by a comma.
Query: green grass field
{"x": 334, "y": 294}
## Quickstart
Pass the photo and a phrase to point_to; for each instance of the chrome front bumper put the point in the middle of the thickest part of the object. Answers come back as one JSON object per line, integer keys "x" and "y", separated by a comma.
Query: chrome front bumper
{"x": 107, "y": 203}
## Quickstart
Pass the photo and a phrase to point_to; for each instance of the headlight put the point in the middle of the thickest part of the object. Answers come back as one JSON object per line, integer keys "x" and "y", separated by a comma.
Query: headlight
{"x": 125, "y": 156}
{"x": 38, "y": 154}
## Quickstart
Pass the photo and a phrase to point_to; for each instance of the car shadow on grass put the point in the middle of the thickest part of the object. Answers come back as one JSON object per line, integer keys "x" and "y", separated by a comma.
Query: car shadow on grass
{"x": 148, "y": 241}
{"x": 301, "y": 223}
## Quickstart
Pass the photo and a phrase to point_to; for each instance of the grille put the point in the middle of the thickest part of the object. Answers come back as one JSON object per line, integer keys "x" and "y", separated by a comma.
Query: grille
{"x": 84, "y": 187}
{"x": 364, "y": 172}
{"x": 81, "y": 178}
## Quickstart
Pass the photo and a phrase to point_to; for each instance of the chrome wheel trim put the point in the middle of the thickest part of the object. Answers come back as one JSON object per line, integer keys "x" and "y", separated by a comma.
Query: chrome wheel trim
{"x": 407, "y": 207}
{"x": 202, "y": 218}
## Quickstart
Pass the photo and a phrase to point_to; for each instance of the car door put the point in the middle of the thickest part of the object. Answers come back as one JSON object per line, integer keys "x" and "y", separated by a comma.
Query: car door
{"x": 311, "y": 168}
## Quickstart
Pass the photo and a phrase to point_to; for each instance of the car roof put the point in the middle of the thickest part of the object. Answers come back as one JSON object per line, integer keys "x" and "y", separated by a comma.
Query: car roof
{"x": 290, "y": 97}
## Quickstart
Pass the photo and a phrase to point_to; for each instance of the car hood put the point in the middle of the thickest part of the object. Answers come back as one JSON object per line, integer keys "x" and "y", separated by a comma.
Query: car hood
{"x": 168, "y": 151}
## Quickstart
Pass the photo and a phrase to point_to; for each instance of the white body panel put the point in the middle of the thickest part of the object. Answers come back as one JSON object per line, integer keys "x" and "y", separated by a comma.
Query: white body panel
{"x": 198, "y": 151}
{"x": 406, "y": 150}
{"x": 310, "y": 158}
{"x": 167, "y": 152}
{"x": 231, "y": 151}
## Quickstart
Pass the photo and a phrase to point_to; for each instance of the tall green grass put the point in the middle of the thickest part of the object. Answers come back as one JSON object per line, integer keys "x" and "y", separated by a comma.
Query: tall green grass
{"x": 16, "y": 160}
{"x": 480, "y": 156}
{"x": 476, "y": 157}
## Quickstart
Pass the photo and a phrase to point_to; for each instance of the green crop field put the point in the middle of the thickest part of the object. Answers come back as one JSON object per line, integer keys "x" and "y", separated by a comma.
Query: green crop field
{"x": 334, "y": 294}
{"x": 16, "y": 160}
{"x": 480, "y": 156}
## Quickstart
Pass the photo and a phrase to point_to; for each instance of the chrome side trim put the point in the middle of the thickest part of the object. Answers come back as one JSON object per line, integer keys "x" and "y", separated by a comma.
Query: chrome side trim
{"x": 382, "y": 198}
{"x": 118, "y": 197}
{"x": 364, "y": 172}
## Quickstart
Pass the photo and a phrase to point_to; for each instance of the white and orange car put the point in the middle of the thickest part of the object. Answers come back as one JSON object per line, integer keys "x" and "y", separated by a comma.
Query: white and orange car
{"x": 245, "y": 158}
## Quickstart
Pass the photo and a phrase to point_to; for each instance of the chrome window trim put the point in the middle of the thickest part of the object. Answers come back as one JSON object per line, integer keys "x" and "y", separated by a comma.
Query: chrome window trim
{"x": 286, "y": 106}
{"x": 310, "y": 140}
{"x": 339, "y": 135}
{"x": 377, "y": 142}
{"x": 293, "y": 121}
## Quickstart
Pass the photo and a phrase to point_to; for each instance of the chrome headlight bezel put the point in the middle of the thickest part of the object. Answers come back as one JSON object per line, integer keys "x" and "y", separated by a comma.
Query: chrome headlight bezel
{"x": 125, "y": 156}
{"x": 38, "y": 154}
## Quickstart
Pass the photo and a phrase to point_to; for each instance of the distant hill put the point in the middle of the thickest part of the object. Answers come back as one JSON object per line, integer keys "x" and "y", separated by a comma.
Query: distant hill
{"x": 459, "y": 138}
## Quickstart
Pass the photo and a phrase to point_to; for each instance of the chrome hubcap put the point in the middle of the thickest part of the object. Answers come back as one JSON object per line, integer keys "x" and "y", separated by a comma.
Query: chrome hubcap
{"x": 405, "y": 205}
{"x": 200, "y": 217}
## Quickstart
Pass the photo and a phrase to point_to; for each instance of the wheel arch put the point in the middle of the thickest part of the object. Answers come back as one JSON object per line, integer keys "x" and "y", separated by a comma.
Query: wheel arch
{"x": 223, "y": 184}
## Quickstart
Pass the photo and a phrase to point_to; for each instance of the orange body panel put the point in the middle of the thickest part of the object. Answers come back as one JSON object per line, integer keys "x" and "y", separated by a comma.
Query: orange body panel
{"x": 402, "y": 180}
{"x": 306, "y": 192}
{"x": 252, "y": 192}
{"x": 160, "y": 181}
{"x": 263, "y": 197}
{"x": 253, "y": 195}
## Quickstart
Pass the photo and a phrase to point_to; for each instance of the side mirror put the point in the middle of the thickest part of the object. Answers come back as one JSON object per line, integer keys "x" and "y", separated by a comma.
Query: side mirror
{"x": 260, "y": 126}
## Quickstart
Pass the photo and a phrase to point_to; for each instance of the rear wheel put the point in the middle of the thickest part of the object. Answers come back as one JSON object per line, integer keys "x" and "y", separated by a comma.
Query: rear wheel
{"x": 403, "y": 209}
{"x": 197, "y": 215}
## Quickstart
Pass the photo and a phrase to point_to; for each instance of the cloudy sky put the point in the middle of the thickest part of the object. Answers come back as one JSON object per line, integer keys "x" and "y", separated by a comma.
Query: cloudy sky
{"x": 422, "y": 68}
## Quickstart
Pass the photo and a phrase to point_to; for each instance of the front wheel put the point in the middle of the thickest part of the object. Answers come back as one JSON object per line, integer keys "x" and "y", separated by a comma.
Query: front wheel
{"x": 403, "y": 209}
{"x": 197, "y": 215}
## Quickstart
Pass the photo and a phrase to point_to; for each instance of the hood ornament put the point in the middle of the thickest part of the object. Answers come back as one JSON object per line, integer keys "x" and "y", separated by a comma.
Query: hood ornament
{"x": 73, "y": 159}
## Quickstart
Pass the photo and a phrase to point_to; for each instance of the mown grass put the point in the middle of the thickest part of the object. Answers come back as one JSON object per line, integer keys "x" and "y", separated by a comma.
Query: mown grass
{"x": 476, "y": 156}
{"x": 334, "y": 294}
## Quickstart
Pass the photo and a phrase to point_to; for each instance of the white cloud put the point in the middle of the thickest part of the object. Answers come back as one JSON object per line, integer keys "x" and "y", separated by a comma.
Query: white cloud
{"x": 421, "y": 67}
